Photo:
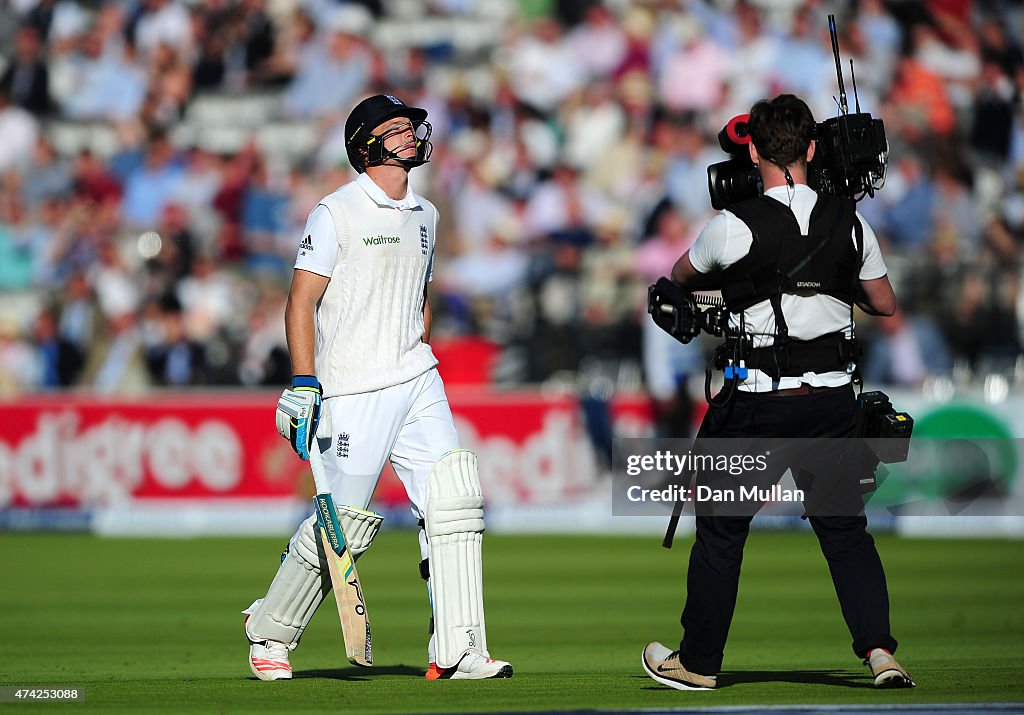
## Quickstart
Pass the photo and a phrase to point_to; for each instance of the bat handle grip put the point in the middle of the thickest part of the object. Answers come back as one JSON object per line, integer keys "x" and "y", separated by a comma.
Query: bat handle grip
{"x": 323, "y": 502}
{"x": 316, "y": 463}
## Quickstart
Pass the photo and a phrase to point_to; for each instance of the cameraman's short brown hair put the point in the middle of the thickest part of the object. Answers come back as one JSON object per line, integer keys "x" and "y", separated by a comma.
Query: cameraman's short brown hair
{"x": 781, "y": 129}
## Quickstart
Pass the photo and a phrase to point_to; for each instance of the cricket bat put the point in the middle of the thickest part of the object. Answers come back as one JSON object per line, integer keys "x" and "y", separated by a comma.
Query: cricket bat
{"x": 348, "y": 592}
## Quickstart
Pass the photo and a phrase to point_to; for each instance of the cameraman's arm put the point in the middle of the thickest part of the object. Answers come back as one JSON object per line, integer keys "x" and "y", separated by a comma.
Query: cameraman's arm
{"x": 700, "y": 268}
{"x": 876, "y": 297}
{"x": 690, "y": 278}
{"x": 874, "y": 292}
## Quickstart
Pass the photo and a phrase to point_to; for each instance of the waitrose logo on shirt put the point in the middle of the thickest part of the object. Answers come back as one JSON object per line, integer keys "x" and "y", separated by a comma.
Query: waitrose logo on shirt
{"x": 380, "y": 240}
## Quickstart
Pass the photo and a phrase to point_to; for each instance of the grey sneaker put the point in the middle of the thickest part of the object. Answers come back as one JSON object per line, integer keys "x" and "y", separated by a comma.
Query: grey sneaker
{"x": 663, "y": 665}
{"x": 888, "y": 673}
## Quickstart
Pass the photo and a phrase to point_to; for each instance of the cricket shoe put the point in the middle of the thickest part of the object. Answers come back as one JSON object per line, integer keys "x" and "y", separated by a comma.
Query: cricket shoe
{"x": 474, "y": 665}
{"x": 664, "y": 666}
{"x": 269, "y": 660}
{"x": 888, "y": 673}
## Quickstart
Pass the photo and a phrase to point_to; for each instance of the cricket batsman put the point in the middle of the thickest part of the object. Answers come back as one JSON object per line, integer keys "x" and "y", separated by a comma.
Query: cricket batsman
{"x": 358, "y": 329}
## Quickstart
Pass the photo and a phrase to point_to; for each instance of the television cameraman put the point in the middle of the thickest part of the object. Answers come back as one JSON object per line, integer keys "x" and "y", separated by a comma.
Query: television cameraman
{"x": 799, "y": 383}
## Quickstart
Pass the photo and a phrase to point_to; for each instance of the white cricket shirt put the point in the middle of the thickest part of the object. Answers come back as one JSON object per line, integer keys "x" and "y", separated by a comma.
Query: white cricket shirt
{"x": 378, "y": 254}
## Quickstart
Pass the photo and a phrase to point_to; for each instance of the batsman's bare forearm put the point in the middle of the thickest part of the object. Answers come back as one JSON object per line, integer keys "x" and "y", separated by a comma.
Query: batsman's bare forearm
{"x": 298, "y": 326}
{"x": 300, "y": 320}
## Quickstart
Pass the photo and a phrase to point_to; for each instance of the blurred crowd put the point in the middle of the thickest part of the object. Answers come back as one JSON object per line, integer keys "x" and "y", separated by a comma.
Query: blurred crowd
{"x": 158, "y": 159}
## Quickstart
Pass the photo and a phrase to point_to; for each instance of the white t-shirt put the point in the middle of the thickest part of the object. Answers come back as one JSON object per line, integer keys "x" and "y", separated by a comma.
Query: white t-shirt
{"x": 726, "y": 239}
{"x": 378, "y": 254}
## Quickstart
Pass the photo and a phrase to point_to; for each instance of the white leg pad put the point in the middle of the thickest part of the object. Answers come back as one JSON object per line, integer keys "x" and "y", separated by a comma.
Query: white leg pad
{"x": 293, "y": 597}
{"x": 359, "y": 526}
{"x": 454, "y": 523}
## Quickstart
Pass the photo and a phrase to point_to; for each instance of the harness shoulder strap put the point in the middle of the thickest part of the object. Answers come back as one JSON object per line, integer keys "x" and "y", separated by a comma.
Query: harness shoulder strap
{"x": 768, "y": 220}
{"x": 756, "y": 276}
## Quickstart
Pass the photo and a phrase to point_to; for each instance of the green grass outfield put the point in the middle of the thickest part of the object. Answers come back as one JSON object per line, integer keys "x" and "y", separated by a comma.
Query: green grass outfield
{"x": 154, "y": 625}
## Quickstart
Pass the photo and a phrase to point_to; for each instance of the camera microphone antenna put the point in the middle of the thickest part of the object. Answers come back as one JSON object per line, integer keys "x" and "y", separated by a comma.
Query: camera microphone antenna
{"x": 839, "y": 68}
{"x": 853, "y": 78}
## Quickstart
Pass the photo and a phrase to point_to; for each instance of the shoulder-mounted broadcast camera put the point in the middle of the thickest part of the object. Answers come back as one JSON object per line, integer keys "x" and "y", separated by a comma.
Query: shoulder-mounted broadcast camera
{"x": 850, "y": 159}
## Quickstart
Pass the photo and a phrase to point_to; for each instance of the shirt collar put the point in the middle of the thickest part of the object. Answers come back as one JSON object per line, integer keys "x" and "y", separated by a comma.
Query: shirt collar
{"x": 382, "y": 199}
{"x": 783, "y": 191}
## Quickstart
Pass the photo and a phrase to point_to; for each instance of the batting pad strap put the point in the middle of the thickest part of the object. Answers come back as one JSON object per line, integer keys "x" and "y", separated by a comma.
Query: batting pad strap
{"x": 294, "y": 595}
{"x": 454, "y": 527}
{"x": 456, "y": 515}
{"x": 360, "y": 527}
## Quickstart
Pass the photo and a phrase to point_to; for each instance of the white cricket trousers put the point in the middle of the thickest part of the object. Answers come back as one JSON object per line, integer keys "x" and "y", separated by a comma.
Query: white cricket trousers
{"x": 409, "y": 423}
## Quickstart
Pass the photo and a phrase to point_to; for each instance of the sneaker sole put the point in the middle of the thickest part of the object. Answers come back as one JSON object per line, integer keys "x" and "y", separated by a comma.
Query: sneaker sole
{"x": 677, "y": 684}
{"x": 504, "y": 672}
{"x": 892, "y": 679}
{"x": 270, "y": 674}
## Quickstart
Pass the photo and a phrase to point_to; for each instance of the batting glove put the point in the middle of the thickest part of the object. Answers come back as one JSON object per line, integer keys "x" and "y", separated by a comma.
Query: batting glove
{"x": 298, "y": 413}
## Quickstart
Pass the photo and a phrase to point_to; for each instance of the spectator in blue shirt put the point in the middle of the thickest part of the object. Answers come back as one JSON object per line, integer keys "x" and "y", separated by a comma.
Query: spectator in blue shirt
{"x": 148, "y": 188}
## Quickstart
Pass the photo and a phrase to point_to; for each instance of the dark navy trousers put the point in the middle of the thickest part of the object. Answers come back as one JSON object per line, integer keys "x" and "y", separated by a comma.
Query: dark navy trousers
{"x": 713, "y": 577}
